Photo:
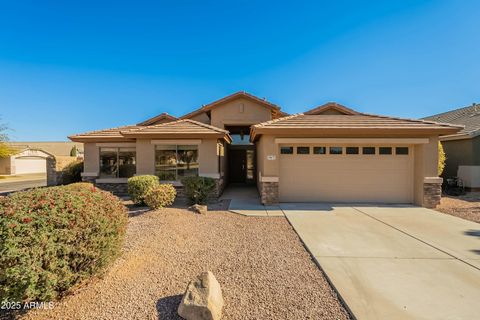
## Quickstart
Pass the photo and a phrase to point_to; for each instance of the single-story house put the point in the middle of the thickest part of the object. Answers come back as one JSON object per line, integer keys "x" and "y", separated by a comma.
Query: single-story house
{"x": 31, "y": 157}
{"x": 330, "y": 153}
{"x": 462, "y": 149}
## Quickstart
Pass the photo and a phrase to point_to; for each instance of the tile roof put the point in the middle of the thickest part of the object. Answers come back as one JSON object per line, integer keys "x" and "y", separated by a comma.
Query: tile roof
{"x": 112, "y": 133}
{"x": 360, "y": 121}
{"x": 467, "y": 116}
{"x": 301, "y": 120}
{"x": 239, "y": 94}
{"x": 184, "y": 126}
{"x": 161, "y": 118}
{"x": 329, "y": 106}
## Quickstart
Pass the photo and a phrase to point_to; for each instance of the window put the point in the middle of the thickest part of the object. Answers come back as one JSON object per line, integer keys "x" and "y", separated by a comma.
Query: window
{"x": 117, "y": 162}
{"x": 303, "y": 150}
{"x": 401, "y": 150}
{"x": 352, "y": 150}
{"x": 286, "y": 150}
{"x": 385, "y": 150}
{"x": 336, "y": 150}
{"x": 368, "y": 150}
{"x": 173, "y": 162}
{"x": 319, "y": 150}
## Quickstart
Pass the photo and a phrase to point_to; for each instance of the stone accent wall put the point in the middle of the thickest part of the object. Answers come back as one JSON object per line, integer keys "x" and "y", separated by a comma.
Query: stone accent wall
{"x": 118, "y": 189}
{"x": 432, "y": 194}
{"x": 220, "y": 186}
{"x": 269, "y": 192}
{"x": 53, "y": 173}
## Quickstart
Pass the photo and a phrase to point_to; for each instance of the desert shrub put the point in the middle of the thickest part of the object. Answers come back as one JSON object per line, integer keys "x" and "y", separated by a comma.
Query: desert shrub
{"x": 53, "y": 238}
{"x": 80, "y": 186}
{"x": 160, "y": 196}
{"x": 139, "y": 186}
{"x": 198, "y": 189}
{"x": 441, "y": 159}
{"x": 72, "y": 172}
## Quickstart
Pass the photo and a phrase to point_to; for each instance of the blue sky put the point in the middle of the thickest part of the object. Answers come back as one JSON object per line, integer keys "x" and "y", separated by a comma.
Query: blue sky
{"x": 69, "y": 67}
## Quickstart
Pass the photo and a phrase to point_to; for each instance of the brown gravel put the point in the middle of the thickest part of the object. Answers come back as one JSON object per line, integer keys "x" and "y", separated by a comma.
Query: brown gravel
{"x": 264, "y": 271}
{"x": 466, "y": 206}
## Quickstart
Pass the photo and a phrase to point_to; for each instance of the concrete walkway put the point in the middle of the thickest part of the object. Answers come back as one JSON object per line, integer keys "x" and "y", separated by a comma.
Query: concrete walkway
{"x": 394, "y": 262}
{"x": 245, "y": 200}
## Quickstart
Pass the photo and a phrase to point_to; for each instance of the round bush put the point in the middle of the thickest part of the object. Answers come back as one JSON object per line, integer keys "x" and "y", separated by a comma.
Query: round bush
{"x": 198, "y": 189}
{"x": 139, "y": 186}
{"x": 161, "y": 196}
{"x": 53, "y": 238}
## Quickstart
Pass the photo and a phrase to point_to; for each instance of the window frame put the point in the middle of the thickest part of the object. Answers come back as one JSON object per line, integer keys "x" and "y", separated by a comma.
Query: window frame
{"x": 402, "y": 154}
{"x": 320, "y": 147}
{"x": 117, "y": 162}
{"x": 298, "y": 147}
{"x": 385, "y": 154}
{"x": 354, "y": 148}
{"x": 176, "y": 159}
{"x": 369, "y": 154}
{"x": 282, "y": 147}
{"x": 337, "y": 154}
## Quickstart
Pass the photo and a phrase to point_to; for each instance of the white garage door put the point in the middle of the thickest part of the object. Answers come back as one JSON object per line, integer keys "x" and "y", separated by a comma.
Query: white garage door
{"x": 346, "y": 174}
{"x": 30, "y": 165}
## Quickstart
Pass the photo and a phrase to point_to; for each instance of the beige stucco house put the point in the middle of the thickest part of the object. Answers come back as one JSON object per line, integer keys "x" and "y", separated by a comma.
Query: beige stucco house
{"x": 330, "y": 153}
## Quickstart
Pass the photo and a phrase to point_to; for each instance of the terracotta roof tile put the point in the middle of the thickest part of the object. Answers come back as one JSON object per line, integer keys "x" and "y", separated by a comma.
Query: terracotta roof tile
{"x": 184, "y": 126}
{"x": 111, "y": 133}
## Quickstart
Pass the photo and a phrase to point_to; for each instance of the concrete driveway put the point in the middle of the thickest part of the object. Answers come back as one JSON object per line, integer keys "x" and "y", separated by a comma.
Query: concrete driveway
{"x": 394, "y": 262}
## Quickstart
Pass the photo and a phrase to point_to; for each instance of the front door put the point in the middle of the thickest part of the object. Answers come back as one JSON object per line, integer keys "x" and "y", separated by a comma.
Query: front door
{"x": 237, "y": 165}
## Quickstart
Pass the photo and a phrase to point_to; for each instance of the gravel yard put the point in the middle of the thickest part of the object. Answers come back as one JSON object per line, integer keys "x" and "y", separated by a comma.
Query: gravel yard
{"x": 264, "y": 271}
{"x": 466, "y": 206}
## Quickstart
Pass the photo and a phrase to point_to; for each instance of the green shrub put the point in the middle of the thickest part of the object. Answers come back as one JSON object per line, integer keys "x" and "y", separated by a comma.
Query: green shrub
{"x": 72, "y": 172}
{"x": 198, "y": 189}
{"x": 53, "y": 238}
{"x": 139, "y": 186}
{"x": 160, "y": 196}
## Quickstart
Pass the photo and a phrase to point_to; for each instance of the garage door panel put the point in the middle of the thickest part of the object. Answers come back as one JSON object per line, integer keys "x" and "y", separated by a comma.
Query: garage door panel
{"x": 346, "y": 178}
{"x": 30, "y": 165}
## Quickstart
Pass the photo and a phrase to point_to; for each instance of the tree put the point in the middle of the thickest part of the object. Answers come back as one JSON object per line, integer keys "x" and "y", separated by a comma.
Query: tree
{"x": 5, "y": 149}
{"x": 441, "y": 159}
{"x": 74, "y": 151}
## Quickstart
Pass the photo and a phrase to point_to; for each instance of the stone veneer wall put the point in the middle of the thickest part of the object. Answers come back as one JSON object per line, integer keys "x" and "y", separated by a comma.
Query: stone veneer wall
{"x": 121, "y": 189}
{"x": 269, "y": 192}
{"x": 432, "y": 194}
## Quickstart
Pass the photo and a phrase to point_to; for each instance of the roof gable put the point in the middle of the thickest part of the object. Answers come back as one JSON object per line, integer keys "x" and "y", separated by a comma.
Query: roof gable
{"x": 178, "y": 128}
{"x": 331, "y": 108}
{"x": 161, "y": 118}
{"x": 241, "y": 94}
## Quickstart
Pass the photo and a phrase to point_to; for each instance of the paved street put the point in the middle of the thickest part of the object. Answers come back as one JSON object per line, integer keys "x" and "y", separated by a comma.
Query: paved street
{"x": 22, "y": 182}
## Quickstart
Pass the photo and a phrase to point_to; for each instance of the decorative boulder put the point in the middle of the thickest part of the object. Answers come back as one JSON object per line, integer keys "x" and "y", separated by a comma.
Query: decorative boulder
{"x": 203, "y": 299}
{"x": 198, "y": 208}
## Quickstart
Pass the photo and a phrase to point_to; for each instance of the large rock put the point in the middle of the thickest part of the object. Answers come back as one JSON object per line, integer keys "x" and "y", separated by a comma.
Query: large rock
{"x": 198, "y": 208}
{"x": 203, "y": 299}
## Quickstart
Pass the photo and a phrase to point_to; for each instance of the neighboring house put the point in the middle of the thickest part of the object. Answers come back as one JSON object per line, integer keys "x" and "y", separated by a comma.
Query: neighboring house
{"x": 30, "y": 157}
{"x": 462, "y": 148}
{"x": 330, "y": 153}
